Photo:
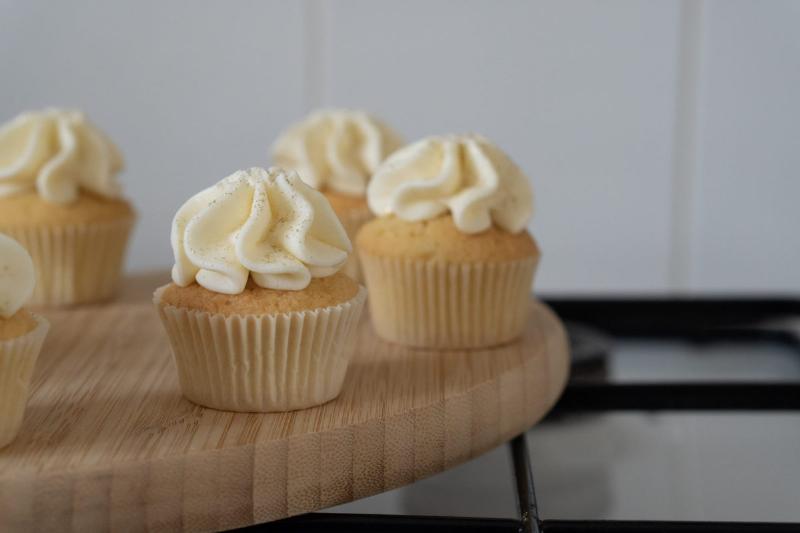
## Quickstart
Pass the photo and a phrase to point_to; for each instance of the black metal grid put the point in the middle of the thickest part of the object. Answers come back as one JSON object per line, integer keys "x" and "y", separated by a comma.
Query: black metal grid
{"x": 695, "y": 319}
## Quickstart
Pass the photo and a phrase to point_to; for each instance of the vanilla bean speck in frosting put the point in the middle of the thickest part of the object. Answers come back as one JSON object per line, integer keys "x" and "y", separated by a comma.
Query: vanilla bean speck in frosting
{"x": 57, "y": 153}
{"x": 17, "y": 277}
{"x": 336, "y": 149}
{"x": 267, "y": 224}
{"x": 465, "y": 175}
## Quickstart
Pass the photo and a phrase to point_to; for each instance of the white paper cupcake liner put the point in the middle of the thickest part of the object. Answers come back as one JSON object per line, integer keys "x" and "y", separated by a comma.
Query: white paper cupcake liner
{"x": 434, "y": 304}
{"x": 262, "y": 363}
{"x": 75, "y": 264}
{"x": 17, "y": 360}
{"x": 352, "y": 220}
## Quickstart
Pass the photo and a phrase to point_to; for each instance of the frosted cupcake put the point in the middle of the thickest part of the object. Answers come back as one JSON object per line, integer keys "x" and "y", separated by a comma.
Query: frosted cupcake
{"x": 336, "y": 152}
{"x": 448, "y": 263}
{"x": 60, "y": 198}
{"x": 258, "y": 316}
{"x": 21, "y": 335}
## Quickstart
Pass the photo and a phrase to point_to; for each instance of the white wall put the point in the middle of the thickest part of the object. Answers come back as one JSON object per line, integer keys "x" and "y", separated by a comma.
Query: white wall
{"x": 662, "y": 138}
{"x": 746, "y": 212}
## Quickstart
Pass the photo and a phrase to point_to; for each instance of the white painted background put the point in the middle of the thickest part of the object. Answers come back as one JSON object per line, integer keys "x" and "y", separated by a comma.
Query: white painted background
{"x": 662, "y": 138}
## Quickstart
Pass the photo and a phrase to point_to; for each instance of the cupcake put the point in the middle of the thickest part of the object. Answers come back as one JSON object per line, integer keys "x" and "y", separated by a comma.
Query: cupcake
{"x": 21, "y": 335}
{"x": 258, "y": 315}
{"x": 59, "y": 197}
{"x": 336, "y": 152}
{"x": 448, "y": 263}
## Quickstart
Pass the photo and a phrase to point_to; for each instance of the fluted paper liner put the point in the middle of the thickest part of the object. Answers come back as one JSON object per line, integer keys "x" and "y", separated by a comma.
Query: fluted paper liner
{"x": 17, "y": 360}
{"x": 352, "y": 220}
{"x": 262, "y": 363}
{"x": 443, "y": 305}
{"x": 75, "y": 264}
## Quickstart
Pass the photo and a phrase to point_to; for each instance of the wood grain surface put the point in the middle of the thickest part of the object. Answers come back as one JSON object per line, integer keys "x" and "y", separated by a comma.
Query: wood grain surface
{"x": 109, "y": 443}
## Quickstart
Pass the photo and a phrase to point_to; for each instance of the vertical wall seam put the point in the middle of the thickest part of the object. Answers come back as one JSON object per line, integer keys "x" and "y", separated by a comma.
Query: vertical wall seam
{"x": 313, "y": 61}
{"x": 685, "y": 159}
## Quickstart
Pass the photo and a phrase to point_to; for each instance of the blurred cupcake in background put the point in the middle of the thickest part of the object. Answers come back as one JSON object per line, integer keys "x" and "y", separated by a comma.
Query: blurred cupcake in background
{"x": 449, "y": 263}
{"x": 337, "y": 152}
{"x": 258, "y": 315}
{"x": 60, "y": 198}
{"x": 21, "y": 335}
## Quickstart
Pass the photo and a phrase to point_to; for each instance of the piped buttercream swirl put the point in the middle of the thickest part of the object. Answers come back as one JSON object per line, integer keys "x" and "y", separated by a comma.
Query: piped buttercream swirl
{"x": 465, "y": 175}
{"x": 57, "y": 153}
{"x": 17, "y": 277}
{"x": 336, "y": 149}
{"x": 267, "y": 224}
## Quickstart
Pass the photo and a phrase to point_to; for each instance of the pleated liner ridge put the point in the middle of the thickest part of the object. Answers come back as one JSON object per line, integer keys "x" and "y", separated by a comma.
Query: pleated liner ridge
{"x": 262, "y": 363}
{"x": 75, "y": 264}
{"x": 434, "y": 304}
{"x": 17, "y": 360}
{"x": 352, "y": 221}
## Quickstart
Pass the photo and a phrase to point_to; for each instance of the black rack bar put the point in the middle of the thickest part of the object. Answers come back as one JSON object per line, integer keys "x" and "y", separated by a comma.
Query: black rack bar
{"x": 526, "y": 495}
{"x": 592, "y": 397}
{"x": 373, "y": 523}
{"x": 369, "y": 523}
{"x": 672, "y": 316}
{"x": 630, "y": 526}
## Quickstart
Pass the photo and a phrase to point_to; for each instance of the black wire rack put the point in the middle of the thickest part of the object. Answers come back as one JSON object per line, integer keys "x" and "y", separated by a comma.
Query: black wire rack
{"x": 694, "y": 319}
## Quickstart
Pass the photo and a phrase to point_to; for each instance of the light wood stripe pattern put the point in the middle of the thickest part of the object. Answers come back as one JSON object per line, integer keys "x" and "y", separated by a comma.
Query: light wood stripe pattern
{"x": 108, "y": 442}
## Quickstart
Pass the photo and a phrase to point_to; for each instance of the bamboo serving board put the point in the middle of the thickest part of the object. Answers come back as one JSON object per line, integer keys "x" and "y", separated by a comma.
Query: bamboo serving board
{"x": 108, "y": 441}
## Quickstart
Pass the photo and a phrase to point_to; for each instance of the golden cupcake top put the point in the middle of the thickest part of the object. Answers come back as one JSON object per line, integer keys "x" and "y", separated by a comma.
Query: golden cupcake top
{"x": 464, "y": 175}
{"x": 27, "y": 209}
{"x": 254, "y": 300}
{"x": 19, "y": 324}
{"x": 17, "y": 276}
{"x": 57, "y": 153}
{"x": 267, "y": 225}
{"x": 336, "y": 149}
{"x": 439, "y": 239}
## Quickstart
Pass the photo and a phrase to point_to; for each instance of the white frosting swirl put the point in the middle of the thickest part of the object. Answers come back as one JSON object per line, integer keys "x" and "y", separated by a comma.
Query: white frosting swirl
{"x": 267, "y": 223}
{"x": 464, "y": 174}
{"x": 336, "y": 149}
{"x": 17, "y": 277}
{"x": 57, "y": 153}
